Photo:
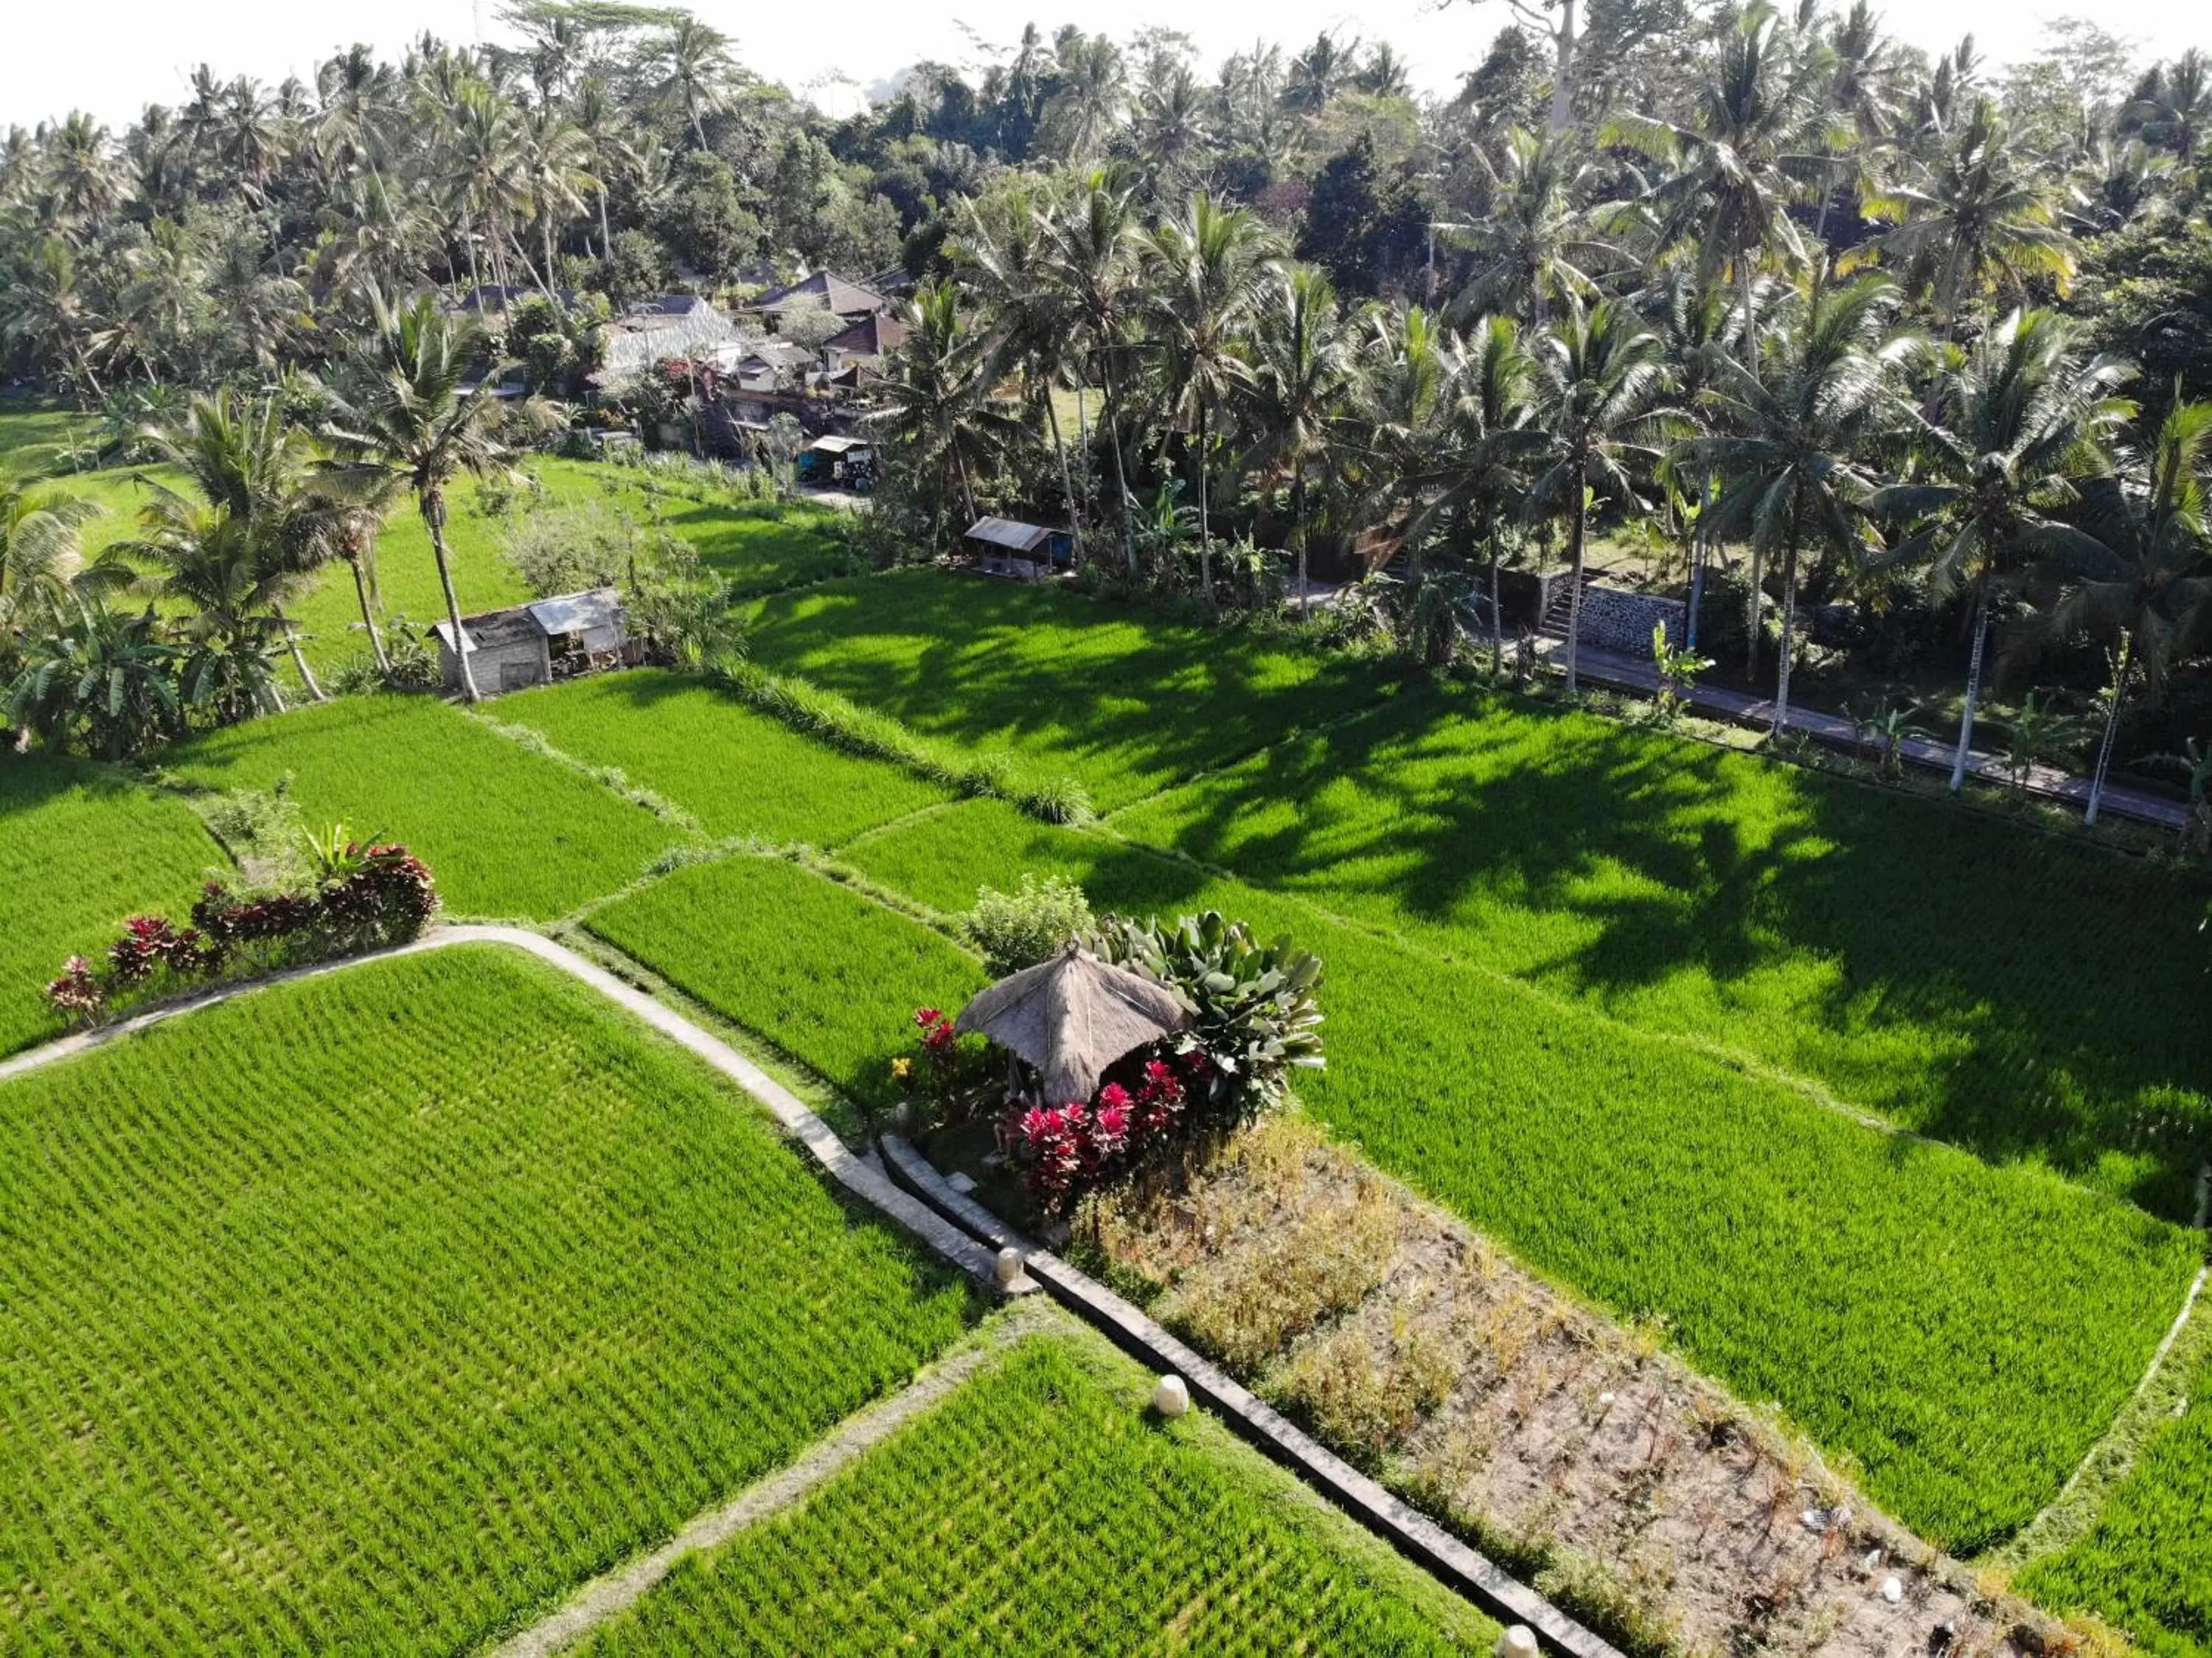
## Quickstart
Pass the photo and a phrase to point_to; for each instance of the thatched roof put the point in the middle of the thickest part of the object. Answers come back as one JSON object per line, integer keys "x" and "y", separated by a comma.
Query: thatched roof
{"x": 1072, "y": 1017}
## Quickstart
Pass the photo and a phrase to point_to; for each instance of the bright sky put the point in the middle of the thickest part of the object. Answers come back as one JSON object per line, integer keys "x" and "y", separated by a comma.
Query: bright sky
{"x": 113, "y": 56}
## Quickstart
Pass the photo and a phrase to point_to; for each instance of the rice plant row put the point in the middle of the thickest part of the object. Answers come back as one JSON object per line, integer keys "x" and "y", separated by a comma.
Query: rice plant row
{"x": 1042, "y": 1509}
{"x": 507, "y": 832}
{"x": 1126, "y": 701}
{"x": 81, "y": 848}
{"x": 372, "y": 1313}
{"x": 738, "y": 771}
{"x": 2146, "y": 1565}
{"x": 829, "y": 975}
{"x": 2025, "y": 998}
{"x": 1962, "y": 1332}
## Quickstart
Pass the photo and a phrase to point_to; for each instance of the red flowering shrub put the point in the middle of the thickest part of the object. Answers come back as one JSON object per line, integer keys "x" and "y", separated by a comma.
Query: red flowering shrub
{"x": 1067, "y": 1150}
{"x": 378, "y": 895}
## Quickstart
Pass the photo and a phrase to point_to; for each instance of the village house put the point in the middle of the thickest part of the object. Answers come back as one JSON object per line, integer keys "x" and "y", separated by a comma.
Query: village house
{"x": 537, "y": 644}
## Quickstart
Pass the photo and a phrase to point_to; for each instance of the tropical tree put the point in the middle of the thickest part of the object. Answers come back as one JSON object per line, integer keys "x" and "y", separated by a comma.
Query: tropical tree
{"x": 1599, "y": 381}
{"x": 1732, "y": 172}
{"x": 42, "y": 573}
{"x": 2016, "y": 423}
{"x": 1488, "y": 440}
{"x": 262, "y": 536}
{"x": 2135, "y": 572}
{"x": 1791, "y": 450}
{"x": 1210, "y": 266}
{"x": 1977, "y": 222}
{"x": 940, "y": 412}
{"x": 1535, "y": 246}
{"x": 1003, "y": 249}
{"x": 693, "y": 59}
{"x": 408, "y": 416}
{"x": 112, "y": 677}
{"x": 1303, "y": 366}
{"x": 1092, "y": 265}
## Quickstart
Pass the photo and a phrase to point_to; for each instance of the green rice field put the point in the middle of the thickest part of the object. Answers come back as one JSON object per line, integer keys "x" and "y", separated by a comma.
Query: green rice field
{"x": 2146, "y": 1565}
{"x": 507, "y": 832}
{"x": 2026, "y": 998}
{"x": 736, "y": 771}
{"x": 829, "y": 975}
{"x": 1041, "y": 1508}
{"x": 759, "y": 546}
{"x": 1963, "y": 1331}
{"x": 372, "y": 1313}
{"x": 1127, "y": 701}
{"x": 82, "y": 847}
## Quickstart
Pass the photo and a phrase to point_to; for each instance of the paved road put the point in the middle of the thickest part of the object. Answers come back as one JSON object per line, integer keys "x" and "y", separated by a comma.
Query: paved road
{"x": 1613, "y": 667}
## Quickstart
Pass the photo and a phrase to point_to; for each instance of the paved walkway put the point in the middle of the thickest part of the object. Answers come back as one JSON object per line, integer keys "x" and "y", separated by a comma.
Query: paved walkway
{"x": 863, "y": 1179}
{"x": 1615, "y": 668}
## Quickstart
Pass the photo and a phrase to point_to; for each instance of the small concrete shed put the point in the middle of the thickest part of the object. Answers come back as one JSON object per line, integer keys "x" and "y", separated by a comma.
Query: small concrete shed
{"x": 537, "y": 644}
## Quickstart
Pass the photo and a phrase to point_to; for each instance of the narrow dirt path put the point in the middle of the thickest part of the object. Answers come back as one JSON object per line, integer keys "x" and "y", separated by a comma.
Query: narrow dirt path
{"x": 605, "y": 1598}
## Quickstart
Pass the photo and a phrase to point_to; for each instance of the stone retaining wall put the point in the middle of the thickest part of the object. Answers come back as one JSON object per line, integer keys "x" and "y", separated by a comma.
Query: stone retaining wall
{"x": 1613, "y": 619}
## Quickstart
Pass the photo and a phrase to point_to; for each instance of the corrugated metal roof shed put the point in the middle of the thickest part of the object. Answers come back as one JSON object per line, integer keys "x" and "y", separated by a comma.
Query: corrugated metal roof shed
{"x": 578, "y": 612}
{"x": 1006, "y": 533}
{"x": 834, "y": 444}
{"x": 491, "y": 629}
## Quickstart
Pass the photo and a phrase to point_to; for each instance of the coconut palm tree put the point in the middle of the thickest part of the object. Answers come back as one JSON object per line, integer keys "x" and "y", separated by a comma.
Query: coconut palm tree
{"x": 250, "y": 465}
{"x": 409, "y": 416}
{"x": 1790, "y": 449}
{"x": 1210, "y": 265}
{"x": 1092, "y": 265}
{"x": 2137, "y": 569}
{"x": 1004, "y": 246}
{"x": 1303, "y": 365}
{"x": 2172, "y": 107}
{"x": 2016, "y": 423}
{"x": 939, "y": 409}
{"x": 1734, "y": 170}
{"x": 1488, "y": 443}
{"x": 43, "y": 572}
{"x": 693, "y": 59}
{"x": 1600, "y": 377}
{"x": 556, "y": 171}
{"x": 1536, "y": 244}
{"x": 486, "y": 179}
{"x": 1977, "y": 222}
{"x": 222, "y": 565}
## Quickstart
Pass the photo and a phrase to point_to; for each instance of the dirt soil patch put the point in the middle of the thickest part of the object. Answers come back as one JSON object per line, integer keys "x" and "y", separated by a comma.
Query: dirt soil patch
{"x": 1640, "y": 1496}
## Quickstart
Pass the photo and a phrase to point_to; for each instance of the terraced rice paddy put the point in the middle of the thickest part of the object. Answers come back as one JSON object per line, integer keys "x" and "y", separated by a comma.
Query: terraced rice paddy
{"x": 829, "y": 975}
{"x": 738, "y": 772}
{"x": 1126, "y": 700}
{"x": 1041, "y": 1509}
{"x": 2146, "y": 1565}
{"x": 372, "y": 1313}
{"x": 81, "y": 847}
{"x": 507, "y": 832}
{"x": 1963, "y": 1331}
{"x": 1980, "y": 984}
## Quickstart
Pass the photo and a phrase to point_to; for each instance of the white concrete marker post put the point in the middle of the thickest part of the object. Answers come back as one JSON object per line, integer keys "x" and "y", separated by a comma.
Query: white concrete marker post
{"x": 1172, "y": 1397}
{"x": 1007, "y": 1267}
{"x": 1518, "y": 1642}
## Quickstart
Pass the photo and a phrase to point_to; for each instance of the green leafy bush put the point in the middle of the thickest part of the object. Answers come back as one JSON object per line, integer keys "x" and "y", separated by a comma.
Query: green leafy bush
{"x": 1255, "y": 1008}
{"x": 1016, "y": 930}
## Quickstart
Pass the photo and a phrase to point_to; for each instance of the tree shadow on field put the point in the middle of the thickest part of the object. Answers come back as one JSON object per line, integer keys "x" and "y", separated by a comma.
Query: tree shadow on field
{"x": 1130, "y": 701}
{"x": 1976, "y": 980}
